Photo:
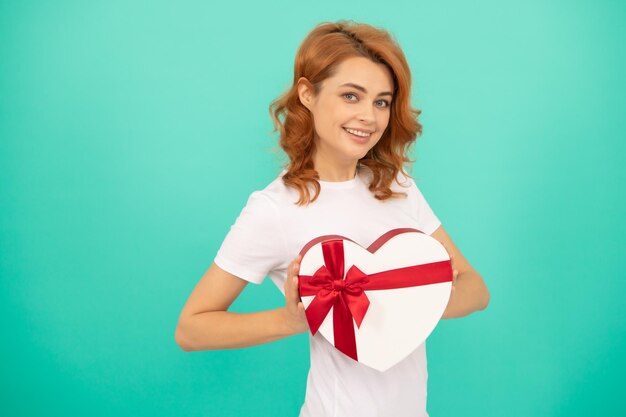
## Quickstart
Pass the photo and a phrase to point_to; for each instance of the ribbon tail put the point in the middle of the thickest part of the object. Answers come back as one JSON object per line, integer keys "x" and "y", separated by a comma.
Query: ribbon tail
{"x": 318, "y": 309}
{"x": 343, "y": 329}
{"x": 358, "y": 305}
{"x": 357, "y": 300}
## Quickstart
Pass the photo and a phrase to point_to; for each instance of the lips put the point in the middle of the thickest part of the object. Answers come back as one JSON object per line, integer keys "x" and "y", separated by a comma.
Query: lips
{"x": 359, "y": 132}
{"x": 357, "y": 138}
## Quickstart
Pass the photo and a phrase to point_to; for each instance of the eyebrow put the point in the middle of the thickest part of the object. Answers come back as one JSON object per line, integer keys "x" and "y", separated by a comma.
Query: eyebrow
{"x": 358, "y": 87}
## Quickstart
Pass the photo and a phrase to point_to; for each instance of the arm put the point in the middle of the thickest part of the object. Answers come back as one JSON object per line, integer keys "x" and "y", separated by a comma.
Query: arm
{"x": 469, "y": 293}
{"x": 205, "y": 323}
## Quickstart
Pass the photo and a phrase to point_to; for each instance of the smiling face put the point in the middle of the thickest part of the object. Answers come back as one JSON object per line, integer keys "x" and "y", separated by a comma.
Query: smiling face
{"x": 350, "y": 112}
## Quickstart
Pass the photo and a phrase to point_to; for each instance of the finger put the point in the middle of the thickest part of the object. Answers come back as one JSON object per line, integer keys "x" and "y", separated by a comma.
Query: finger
{"x": 292, "y": 294}
{"x": 290, "y": 269}
{"x": 293, "y": 286}
{"x": 294, "y": 266}
{"x": 294, "y": 273}
{"x": 289, "y": 284}
{"x": 294, "y": 291}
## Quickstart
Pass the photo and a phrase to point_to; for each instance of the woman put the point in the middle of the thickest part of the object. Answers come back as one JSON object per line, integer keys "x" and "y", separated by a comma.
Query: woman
{"x": 346, "y": 125}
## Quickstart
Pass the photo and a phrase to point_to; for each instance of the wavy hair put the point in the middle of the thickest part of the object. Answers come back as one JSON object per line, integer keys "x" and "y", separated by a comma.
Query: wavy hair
{"x": 317, "y": 58}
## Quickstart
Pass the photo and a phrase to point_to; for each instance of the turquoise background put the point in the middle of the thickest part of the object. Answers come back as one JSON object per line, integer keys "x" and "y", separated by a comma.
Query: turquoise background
{"x": 132, "y": 133}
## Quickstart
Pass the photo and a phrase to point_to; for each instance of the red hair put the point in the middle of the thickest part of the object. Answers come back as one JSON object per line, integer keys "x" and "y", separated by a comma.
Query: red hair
{"x": 318, "y": 57}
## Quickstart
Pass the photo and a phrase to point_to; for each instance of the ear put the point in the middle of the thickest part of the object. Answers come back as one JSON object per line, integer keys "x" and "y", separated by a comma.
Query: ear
{"x": 306, "y": 92}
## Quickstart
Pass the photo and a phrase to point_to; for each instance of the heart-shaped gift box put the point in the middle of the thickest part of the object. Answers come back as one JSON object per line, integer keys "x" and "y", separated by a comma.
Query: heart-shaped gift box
{"x": 376, "y": 305}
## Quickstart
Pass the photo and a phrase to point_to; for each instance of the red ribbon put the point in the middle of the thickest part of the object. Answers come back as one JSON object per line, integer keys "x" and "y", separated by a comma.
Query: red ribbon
{"x": 347, "y": 296}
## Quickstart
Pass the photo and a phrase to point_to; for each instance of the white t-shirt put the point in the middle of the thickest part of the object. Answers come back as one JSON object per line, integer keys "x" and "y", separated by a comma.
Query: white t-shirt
{"x": 270, "y": 232}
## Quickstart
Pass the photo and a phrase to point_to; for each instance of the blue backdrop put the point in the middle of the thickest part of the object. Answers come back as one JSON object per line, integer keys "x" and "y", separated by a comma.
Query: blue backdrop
{"x": 132, "y": 133}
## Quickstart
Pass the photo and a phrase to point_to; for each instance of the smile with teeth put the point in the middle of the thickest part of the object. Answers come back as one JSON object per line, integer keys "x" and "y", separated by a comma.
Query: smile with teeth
{"x": 357, "y": 132}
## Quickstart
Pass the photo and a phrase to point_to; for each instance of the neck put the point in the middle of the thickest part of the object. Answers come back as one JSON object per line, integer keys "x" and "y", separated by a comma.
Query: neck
{"x": 334, "y": 171}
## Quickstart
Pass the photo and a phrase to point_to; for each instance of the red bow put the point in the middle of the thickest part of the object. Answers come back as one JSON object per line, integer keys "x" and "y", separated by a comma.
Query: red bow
{"x": 347, "y": 296}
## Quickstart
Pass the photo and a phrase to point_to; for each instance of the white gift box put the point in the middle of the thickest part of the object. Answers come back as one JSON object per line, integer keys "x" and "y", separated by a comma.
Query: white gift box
{"x": 376, "y": 305}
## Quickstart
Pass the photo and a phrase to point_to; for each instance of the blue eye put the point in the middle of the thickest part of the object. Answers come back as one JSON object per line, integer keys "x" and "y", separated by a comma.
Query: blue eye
{"x": 349, "y": 94}
{"x": 385, "y": 103}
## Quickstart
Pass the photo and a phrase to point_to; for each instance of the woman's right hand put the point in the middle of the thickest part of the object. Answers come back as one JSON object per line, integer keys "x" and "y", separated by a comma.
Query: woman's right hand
{"x": 295, "y": 317}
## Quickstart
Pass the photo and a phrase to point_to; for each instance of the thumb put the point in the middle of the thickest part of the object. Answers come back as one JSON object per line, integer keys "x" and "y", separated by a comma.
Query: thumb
{"x": 292, "y": 293}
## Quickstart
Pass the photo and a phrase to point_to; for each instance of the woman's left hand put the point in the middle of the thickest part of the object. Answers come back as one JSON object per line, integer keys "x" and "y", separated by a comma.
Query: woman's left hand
{"x": 455, "y": 272}
{"x": 468, "y": 295}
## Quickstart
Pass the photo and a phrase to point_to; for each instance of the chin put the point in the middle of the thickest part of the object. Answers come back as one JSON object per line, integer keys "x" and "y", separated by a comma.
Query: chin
{"x": 356, "y": 155}
{"x": 362, "y": 154}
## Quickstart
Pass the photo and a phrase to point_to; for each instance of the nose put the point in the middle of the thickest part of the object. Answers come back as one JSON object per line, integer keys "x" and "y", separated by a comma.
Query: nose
{"x": 366, "y": 114}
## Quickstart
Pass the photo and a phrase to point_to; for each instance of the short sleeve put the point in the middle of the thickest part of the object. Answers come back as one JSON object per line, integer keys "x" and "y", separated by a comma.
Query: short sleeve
{"x": 254, "y": 243}
{"x": 426, "y": 219}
